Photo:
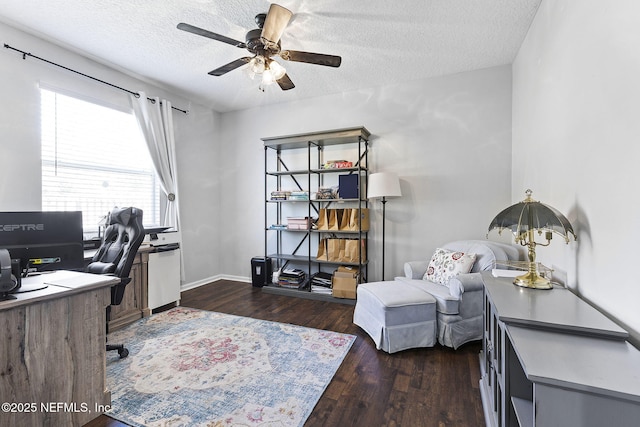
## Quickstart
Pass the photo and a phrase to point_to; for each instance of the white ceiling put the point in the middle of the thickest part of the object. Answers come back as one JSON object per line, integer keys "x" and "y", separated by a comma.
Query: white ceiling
{"x": 381, "y": 42}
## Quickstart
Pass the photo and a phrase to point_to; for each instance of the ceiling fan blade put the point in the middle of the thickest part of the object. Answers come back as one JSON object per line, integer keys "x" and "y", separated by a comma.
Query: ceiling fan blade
{"x": 230, "y": 66}
{"x": 311, "y": 58}
{"x": 276, "y": 21}
{"x": 285, "y": 83}
{"x": 205, "y": 33}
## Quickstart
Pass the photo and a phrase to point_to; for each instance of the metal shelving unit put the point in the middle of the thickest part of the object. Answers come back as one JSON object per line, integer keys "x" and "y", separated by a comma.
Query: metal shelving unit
{"x": 309, "y": 148}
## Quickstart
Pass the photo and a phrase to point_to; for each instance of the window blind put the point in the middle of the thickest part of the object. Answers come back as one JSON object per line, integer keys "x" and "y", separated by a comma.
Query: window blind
{"x": 93, "y": 159}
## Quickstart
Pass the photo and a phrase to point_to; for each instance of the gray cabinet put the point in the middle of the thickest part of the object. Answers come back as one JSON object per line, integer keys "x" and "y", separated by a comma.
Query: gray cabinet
{"x": 551, "y": 359}
{"x": 297, "y": 163}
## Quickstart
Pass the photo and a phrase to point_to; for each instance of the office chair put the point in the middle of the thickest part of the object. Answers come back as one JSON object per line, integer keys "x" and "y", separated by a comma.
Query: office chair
{"x": 122, "y": 238}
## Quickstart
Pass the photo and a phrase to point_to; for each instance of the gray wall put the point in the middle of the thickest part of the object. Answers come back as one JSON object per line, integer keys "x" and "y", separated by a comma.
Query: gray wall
{"x": 575, "y": 142}
{"x": 448, "y": 139}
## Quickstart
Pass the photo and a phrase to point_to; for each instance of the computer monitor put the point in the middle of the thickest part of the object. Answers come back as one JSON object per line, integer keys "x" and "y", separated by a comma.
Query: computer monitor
{"x": 43, "y": 240}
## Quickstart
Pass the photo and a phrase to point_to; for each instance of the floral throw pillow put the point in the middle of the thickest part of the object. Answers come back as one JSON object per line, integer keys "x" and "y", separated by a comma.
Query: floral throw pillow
{"x": 446, "y": 264}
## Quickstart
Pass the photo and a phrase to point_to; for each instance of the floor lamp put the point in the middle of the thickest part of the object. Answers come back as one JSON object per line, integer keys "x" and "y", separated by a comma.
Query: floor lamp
{"x": 383, "y": 185}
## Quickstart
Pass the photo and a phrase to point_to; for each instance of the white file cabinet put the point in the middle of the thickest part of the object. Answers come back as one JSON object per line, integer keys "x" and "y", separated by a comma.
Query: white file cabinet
{"x": 164, "y": 278}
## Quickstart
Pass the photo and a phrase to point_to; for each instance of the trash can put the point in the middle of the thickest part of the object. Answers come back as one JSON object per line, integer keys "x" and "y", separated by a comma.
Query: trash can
{"x": 261, "y": 271}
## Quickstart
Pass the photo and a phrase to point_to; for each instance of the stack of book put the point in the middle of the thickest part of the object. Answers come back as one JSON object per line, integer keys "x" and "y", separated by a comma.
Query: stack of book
{"x": 320, "y": 290}
{"x": 280, "y": 195}
{"x": 299, "y": 195}
{"x": 321, "y": 279}
{"x": 291, "y": 278}
{"x": 327, "y": 193}
{"x": 337, "y": 164}
{"x": 321, "y": 283}
{"x": 278, "y": 227}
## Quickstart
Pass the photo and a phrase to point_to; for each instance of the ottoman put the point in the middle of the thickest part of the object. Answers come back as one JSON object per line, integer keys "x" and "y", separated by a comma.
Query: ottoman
{"x": 395, "y": 315}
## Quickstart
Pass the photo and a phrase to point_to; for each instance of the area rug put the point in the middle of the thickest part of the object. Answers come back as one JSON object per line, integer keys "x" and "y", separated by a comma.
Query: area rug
{"x": 189, "y": 367}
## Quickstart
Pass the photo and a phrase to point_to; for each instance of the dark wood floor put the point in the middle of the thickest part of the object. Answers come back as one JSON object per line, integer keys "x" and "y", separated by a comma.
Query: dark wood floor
{"x": 421, "y": 387}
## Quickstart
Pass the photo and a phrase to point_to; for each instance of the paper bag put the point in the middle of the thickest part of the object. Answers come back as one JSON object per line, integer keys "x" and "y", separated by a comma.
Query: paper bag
{"x": 322, "y": 251}
{"x": 345, "y": 221}
{"x": 335, "y": 216}
{"x": 359, "y": 219}
{"x": 336, "y": 250}
{"x": 323, "y": 220}
{"x": 353, "y": 249}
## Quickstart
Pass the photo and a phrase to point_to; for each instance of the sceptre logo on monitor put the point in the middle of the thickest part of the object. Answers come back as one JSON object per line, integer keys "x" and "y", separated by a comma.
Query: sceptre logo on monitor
{"x": 21, "y": 227}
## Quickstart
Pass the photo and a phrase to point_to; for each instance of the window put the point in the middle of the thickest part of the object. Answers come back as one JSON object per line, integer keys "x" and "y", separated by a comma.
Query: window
{"x": 93, "y": 159}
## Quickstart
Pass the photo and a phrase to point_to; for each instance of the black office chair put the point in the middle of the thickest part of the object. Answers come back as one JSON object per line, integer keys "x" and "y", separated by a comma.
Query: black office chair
{"x": 122, "y": 238}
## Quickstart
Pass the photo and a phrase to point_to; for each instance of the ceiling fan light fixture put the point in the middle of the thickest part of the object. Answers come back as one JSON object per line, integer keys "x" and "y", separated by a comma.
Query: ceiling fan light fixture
{"x": 263, "y": 43}
{"x": 249, "y": 70}
{"x": 272, "y": 73}
{"x": 267, "y": 77}
{"x": 257, "y": 64}
{"x": 277, "y": 70}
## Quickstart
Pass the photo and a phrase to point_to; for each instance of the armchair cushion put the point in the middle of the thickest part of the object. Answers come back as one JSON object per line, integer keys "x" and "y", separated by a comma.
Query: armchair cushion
{"x": 445, "y": 302}
{"x": 446, "y": 264}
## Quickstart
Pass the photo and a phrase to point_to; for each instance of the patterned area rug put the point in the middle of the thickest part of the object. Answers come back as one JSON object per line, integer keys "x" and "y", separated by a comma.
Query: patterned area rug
{"x": 188, "y": 367}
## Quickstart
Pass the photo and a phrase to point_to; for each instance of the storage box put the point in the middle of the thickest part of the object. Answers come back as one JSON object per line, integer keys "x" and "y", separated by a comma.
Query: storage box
{"x": 344, "y": 282}
{"x": 298, "y": 223}
{"x": 348, "y": 186}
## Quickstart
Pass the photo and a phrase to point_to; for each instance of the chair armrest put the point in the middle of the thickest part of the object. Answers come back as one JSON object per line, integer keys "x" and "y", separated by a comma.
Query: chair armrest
{"x": 99, "y": 267}
{"x": 415, "y": 269}
{"x": 462, "y": 283}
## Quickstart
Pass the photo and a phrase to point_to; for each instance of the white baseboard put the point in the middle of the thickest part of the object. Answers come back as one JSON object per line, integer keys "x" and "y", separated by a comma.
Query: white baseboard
{"x": 193, "y": 285}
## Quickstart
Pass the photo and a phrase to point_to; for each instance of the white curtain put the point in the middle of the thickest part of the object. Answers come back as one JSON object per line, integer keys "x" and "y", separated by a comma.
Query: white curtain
{"x": 156, "y": 121}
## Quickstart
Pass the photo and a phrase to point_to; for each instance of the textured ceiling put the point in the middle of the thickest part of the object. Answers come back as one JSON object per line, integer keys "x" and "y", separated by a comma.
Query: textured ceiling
{"x": 380, "y": 42}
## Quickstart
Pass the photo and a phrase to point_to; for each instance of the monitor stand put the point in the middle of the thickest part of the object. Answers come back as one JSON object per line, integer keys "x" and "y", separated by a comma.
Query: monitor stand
{"x": 30, "y": 288}
{"x": 5, "y": 296}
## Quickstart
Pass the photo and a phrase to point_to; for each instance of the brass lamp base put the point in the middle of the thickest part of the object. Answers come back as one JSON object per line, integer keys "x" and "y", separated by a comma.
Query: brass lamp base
{"x": 532, "y": 280}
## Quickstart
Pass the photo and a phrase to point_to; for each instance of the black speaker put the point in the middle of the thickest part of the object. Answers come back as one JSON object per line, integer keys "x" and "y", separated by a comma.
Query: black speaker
{"x": 8, "y": 281}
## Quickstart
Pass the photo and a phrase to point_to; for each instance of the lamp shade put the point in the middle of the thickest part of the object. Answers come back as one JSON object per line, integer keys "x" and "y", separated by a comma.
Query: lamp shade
{"x": 383, "y": 184}
{"x": 532, "y": 215}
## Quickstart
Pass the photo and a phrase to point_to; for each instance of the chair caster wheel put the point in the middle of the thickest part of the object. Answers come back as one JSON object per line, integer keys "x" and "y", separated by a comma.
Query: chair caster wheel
{"x": 123, "y": 353}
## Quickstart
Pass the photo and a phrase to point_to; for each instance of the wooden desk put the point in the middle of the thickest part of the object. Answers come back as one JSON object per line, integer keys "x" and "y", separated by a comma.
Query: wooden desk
{"x": 52, "y": 351}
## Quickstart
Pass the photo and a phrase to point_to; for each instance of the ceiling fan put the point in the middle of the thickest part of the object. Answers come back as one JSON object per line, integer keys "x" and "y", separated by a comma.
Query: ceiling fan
{"x": 264, "y": 43}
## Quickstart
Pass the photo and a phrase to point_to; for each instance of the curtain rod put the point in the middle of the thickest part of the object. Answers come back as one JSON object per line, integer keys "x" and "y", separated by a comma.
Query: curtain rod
{"x": 25, "y": 54}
